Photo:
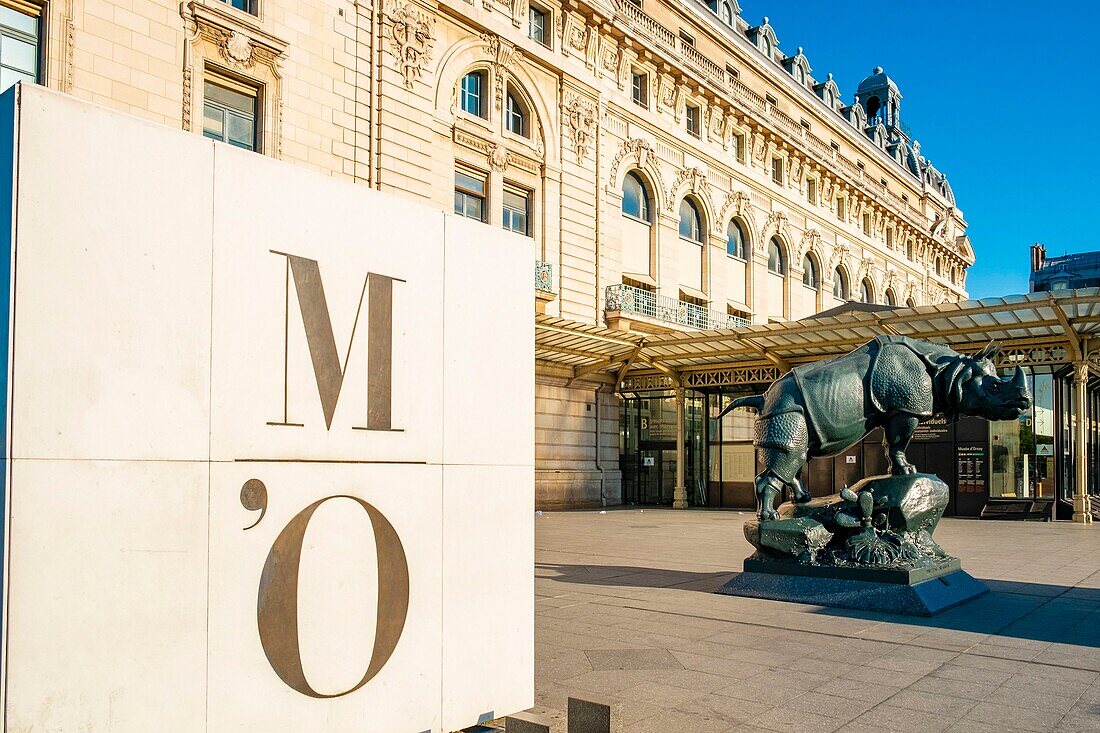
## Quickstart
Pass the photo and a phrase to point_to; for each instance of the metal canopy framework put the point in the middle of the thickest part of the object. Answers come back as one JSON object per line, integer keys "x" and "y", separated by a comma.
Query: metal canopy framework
{"x": 1034, "y": 329}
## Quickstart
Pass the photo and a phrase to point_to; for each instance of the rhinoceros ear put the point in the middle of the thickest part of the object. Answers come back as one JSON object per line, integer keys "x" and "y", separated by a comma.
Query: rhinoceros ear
{"x": 989, "y": 351}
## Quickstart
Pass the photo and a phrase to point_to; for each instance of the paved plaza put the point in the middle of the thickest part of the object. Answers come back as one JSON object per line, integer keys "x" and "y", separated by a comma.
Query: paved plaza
{"x": 624, "y": 610}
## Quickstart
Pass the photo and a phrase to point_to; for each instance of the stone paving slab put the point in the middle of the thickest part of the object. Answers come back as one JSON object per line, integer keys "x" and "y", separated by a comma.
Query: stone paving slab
{"x": 624, "y": 610}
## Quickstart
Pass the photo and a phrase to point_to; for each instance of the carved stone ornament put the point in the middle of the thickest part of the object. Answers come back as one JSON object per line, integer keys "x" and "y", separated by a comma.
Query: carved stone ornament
{"x": 811, "y": 242}
{"x": 636, "y": 146}
{"x": 237, "y": 49}
{"x": 498, "y": 158}
{"x": 519, "y": 12}
{"x": 411, "y": 40}
{"x": 737, "y": 204}
{"x": 580, "y": 117}
{"x": 776, "y": 223}
{"x": 697, "y": 179}
{"x": 840, "y": 253}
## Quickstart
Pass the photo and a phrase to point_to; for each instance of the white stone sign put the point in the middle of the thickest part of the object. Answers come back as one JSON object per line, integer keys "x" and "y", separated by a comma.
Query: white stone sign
{"x": 269, "y": 442}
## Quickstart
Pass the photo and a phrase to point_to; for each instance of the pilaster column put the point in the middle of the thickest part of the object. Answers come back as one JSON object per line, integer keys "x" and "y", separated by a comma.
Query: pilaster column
{"x": 1081, "y": 504}
{"x": 679, "y": 492}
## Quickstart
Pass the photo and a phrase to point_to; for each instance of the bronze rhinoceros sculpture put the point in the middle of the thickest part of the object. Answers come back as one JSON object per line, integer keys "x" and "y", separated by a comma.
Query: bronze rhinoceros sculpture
{"x": 892, "y": 382}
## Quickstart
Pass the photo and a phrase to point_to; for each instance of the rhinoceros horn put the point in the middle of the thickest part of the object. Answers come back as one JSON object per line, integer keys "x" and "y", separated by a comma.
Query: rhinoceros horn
{"x": 1019, "y": 379}
{"x": 989, "y": 351}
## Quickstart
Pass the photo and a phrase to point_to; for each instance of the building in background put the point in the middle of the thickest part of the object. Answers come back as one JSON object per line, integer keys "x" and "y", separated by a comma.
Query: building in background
{"x": 674, "y": 168}
{"x": 1081, "y": 270}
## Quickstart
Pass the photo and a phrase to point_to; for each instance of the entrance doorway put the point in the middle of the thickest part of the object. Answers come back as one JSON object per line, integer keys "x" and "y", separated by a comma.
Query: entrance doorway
{"x": 656, "y": 481}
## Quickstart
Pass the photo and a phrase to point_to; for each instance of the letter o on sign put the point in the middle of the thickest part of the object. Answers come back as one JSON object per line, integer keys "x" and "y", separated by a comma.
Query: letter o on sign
{"x": 277, "y": 604}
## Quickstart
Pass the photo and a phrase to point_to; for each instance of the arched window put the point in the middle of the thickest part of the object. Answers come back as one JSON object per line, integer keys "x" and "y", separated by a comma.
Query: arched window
{"x": 939, "y": 267}
{"x": 840, "y": 285}
{"x": 889, "y": 297}
{"x": 873, "y": 105}
{"x": 636, "y": 198}
{"x": 866, "y": 292}
{"x": 809, "y": 273}
{"x": 735, "y": 239}
{"x": 911, "y": 303}
{"x": 516, "y": 117}
{"x": 726, "y": 13}
{"x": 777, "y": 263}
{"x": 473, "y": 93}
{"x": 691, "y": 222}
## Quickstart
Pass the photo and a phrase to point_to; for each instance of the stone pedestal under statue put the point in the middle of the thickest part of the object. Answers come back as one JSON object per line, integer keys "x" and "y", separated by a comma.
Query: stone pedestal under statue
{"x": 869, "y": 547}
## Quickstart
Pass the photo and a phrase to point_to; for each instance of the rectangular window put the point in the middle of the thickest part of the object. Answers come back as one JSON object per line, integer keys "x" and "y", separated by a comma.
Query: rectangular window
{"x": 739, "y": 148}
{"x": 732, "y": 73}
{"x": 835, "y": 147}
{"x": 229, "y": 113}
{"x": 777, "y": 170}
{"x": 470, "y": 193}
{"x": 771, "y": 100}
{"x": 806, "y": 125}
{"x": 687, "y": 39}
{"x": 811, "y": 190}
{"x": 636, "y": 3}
{"x": 867, "y": 224}
{"x": 693, "y": 120}
{"x": 842, "y": 209}
{"x": 516, "y": 210}
{"x": 890, "y": 238}
{"x": 884, "y": 183}
{"x": 639, "y": 88}
{"x": 248, "y": 6}
{"x": 18, "y": 47}
{"x": 473, "y": 86}
{"x": 860, "y": 165}
{"x": 536, "y": 25}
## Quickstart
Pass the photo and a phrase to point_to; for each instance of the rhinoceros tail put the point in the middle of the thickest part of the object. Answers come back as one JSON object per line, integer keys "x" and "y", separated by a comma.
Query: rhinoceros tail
{"x": 756, "y": 402}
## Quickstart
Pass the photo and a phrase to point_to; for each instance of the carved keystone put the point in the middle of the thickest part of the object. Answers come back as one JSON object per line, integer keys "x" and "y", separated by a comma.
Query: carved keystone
{"x": 526, "y": 723}
{"x": 596, "y": 715}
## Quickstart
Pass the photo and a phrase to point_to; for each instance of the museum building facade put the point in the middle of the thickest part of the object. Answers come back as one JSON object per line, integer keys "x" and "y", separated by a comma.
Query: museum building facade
{"x": 672, "y": 166}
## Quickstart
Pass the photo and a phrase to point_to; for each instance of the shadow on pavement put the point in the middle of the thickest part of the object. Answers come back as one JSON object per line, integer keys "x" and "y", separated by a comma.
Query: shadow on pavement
{"x": 1035, "y": 612}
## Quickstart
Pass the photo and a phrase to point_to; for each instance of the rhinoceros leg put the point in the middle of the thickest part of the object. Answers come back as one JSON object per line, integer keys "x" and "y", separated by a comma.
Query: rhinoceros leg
{"x": 899, "y": 430}
{"x": 801, "y": 495}
{"x": 782, "y": 440}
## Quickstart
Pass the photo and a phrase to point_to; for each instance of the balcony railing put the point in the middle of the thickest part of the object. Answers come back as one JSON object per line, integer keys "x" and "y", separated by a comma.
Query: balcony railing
{"x": 544, "y": 276}
{"x": 647, "y": 303}
{"x": 645, "y": 23}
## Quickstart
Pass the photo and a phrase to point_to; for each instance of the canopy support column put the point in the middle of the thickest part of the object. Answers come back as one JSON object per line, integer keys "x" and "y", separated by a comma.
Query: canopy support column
{"x": 679, "y": 492}
{"x": 1081, "y": 504}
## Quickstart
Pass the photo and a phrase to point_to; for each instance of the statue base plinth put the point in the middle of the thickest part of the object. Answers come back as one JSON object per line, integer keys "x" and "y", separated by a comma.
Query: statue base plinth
{"x": 897, "y": 576}
{"x": 864, "y": 589}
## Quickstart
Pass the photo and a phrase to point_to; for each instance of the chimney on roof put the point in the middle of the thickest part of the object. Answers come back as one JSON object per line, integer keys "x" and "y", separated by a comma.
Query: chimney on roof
{"x": 1038, "y": 255}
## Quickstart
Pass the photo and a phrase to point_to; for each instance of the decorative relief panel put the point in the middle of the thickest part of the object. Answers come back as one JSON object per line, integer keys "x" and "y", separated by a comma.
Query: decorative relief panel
{"x": 581, "y": 122}
{"x": 411, "y": 40}
{"x": 497, "y": 157}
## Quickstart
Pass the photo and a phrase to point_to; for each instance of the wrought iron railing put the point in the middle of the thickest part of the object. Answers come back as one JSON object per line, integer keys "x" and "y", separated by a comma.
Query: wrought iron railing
{"x": 648, "y": 303}
{"x": 544, "y": 276}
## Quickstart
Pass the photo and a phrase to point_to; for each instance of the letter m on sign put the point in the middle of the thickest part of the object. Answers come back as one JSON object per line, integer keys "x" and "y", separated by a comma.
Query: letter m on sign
{"x": 328, "y": 368}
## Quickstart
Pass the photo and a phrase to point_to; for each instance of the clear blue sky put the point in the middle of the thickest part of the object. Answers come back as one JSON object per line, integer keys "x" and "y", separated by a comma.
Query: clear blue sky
{"x": 1001, "y": 96}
